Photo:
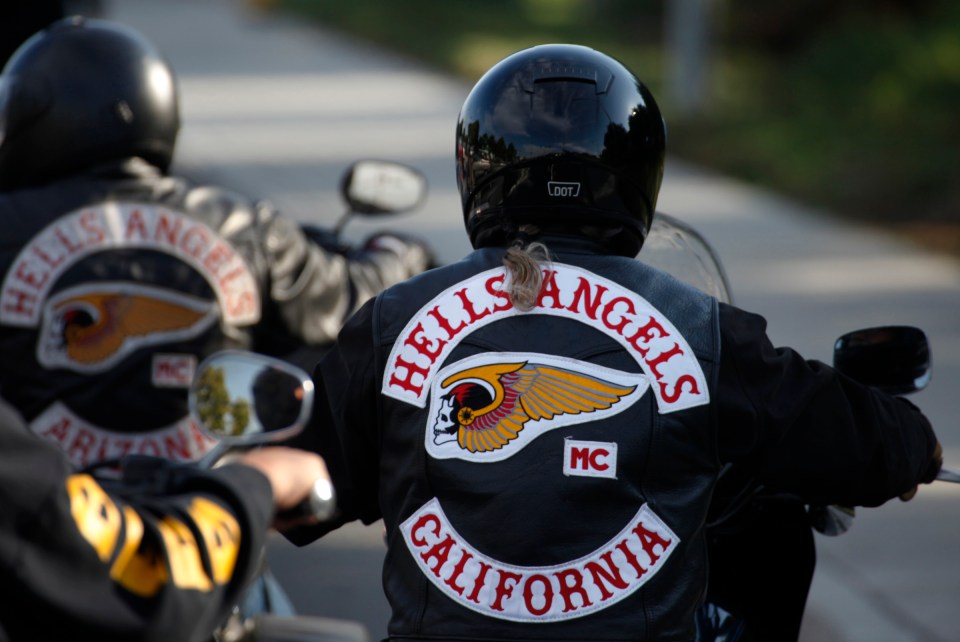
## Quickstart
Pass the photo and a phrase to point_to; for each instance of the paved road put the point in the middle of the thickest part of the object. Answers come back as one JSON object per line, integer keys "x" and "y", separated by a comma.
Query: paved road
{"x": 278, "y": 110}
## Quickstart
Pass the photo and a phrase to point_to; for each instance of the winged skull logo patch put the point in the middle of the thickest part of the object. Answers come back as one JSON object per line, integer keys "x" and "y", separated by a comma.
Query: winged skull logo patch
{"x": 89, "y": 328}
{"x": 488, "y": 407}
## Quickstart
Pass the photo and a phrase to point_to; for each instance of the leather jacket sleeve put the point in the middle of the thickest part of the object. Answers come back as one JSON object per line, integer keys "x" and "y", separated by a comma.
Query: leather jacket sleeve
{"x": 78, "y": 560}
{"x": 346, "y": 385}
{"x": 810, "y": 430}
{"x": 316, "y": 288}
{"x": 309, "y": 288}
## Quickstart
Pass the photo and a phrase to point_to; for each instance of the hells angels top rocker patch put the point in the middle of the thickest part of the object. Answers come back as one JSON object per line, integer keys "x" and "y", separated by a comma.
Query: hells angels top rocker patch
{"x": 658, "y": 347}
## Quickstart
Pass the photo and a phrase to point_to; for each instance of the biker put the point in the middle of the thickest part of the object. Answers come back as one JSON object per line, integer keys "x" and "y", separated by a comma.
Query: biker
{"x": 118, "y": 277}
{"x": 82, "y": 561}
{"x": 541, "y": 424}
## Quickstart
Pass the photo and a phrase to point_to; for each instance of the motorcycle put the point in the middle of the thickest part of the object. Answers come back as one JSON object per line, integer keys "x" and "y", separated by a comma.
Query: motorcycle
{"x": 246, "y": 400}
{"x": 748, "y": 523}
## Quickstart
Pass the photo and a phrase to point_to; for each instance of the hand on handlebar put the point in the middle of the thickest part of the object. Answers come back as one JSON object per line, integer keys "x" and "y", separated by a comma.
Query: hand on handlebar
{"x": 936, "y": 462}
{"x": 415, "y": 251}
{"x": 294, "y": 475}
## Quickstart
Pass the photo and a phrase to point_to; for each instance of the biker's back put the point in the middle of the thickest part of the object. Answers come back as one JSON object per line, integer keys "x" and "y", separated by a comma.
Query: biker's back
{"x": 541, "y": 424}
{"x": 118, "y": 278}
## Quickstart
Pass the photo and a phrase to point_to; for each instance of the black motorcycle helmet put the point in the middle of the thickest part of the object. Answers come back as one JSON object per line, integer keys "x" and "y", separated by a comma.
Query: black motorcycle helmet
{"x": 562, "y": 137}
{"x": 82, "y": 92}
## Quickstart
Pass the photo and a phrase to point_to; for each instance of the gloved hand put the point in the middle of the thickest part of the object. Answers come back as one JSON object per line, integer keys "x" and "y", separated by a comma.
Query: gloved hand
{"x": 936, "y": 462}
{"x": 414, "y": 252}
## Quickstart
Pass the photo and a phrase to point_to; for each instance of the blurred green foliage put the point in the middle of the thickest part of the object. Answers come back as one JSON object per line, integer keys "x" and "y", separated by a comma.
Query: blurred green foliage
{"x": 852, "y": 106}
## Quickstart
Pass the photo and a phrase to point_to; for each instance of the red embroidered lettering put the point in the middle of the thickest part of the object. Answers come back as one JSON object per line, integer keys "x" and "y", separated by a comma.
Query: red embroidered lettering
{"x": 458, "y": 571}
{"x": 469, "y": 307}
{"x": 479, "y": 582}
{"x": 79, "y": 449}
{"x": 168, "y": 230}
{"x": 609, "y": 309}
{"x": 411, "y": 370}
{"x": 646, "y": 334}
{"x": 23, "y": 303}
{"x": 242, "y": 305}
{"x": 440, "y": 552}
{"x": 661, "y": 359}
{"x": 649, "y": 540}
{"x": 422, "y": 523}
{"x": 52, "y": 263}
{"x": 582, "y": 292}
{"x": 149, "y": 447}
{"x": 677, "y": 391}
{"x": 557, "y": 592}
{"x": 602, "y": 575}
{"x": 445, "y": 324}
{"x": 570, "y": 588}
{"x": 175, "y": 446}
{"x": 136, "y": 226}
{"x": 218, "y": 256}
{"x": 504, "y": 590}
{"x": 58, "y": 431}
{"x": 631, "y": 558}
{"x": 22, "y": 272}
{"x": 597, "y": 458}
{"x": 427, "y": 347}
{"x": 549, "y": 290}
{"x": 195, "y": 242}
{"x": 579, "y": 458}
{"x": 546, "y": 593}
{"x": 89, "y": 222}
{"x": 497, "y": 292}
{"x": 67, "y": 242}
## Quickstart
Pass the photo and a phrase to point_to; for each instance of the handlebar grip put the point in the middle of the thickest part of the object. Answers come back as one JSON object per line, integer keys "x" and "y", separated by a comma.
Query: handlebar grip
{"x": 949, "y": 475}
{"x": 320, "y": 505}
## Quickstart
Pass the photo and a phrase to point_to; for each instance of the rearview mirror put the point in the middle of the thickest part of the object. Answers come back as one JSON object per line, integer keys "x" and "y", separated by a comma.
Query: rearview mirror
{"x": 895, "y": 359}
{"x": 382, "y": 187}
{"x": 246, "y": 399}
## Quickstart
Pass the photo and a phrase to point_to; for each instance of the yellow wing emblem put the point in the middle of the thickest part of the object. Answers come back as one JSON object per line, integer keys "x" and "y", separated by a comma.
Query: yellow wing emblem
{"x": 487, "y": 406}
{"x": 94, "y": 328}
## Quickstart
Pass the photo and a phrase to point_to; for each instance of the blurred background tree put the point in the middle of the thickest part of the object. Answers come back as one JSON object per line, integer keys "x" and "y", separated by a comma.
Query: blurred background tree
{"x": 850, "y": 106}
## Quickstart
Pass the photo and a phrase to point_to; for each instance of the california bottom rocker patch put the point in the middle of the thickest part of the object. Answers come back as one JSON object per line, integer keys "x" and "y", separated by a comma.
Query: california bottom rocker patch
{"x": 537, "y": 593}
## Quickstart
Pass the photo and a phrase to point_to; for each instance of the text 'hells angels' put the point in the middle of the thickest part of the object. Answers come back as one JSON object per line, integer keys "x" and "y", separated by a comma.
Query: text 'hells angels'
{"x": 658, "y": 347}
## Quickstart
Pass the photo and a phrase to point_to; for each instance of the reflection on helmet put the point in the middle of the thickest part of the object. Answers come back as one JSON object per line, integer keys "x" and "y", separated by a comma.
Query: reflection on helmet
{"x": 560, "y": 136}
{"x": 83, "y": 92}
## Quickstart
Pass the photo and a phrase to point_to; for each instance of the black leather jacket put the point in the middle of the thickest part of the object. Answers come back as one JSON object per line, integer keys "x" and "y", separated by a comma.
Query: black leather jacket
{"x": 546, "y": 475}
{"x": 119, "y": 280}
{"x": 81, "y": 561}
